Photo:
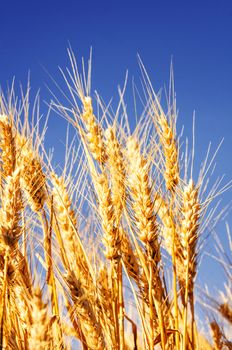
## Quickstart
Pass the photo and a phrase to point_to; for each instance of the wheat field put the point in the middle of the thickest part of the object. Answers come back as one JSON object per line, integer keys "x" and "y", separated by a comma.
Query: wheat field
{"x": 103, "y": 251}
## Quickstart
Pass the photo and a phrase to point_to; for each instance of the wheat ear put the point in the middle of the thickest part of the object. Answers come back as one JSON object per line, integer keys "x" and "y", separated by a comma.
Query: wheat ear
{"x": 171, "y": 240}
{"x": 10, "y": 211}
{"x": 111, "y": 238}
{"x": 67, "y": 223}
{"x": 112, "y": 243}
{"x": 7, "y": 146}
{"x": 115, "y": 163}
{"x": 105, "y": 297}
{"x": 32, "y": 176}
{"x": 145, "y": 219}
{"x": 88, "y": 321}
{"x": 40, "y": 323}
{"x": 170, "y": 151}
{"x": 129, "y": 257}
{"x": 140, "y": 191}
{"x": 93, "y": 131}
{"x": 187, "y": 255}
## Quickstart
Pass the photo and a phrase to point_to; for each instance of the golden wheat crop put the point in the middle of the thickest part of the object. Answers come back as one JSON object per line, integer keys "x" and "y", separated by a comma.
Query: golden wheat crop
{"x": 102, "y": 252}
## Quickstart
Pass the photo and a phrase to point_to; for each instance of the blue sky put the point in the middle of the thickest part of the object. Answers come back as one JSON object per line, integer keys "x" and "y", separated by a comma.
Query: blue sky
{"x": 197, "y": 34}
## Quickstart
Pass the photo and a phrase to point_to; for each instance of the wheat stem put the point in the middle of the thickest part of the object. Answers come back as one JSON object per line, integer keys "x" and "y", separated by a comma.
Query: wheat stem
{"x": 3, "y": 301}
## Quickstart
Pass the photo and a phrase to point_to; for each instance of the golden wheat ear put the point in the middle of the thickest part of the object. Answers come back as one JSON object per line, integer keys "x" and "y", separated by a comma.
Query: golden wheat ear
{"x": 116, "y": 166}
{"x": 88, "y": 322}
{"x": 40, "y": 323}
{"x": 33, "y": 179}
{"x": 11, "y": 211}
{"x": 93, "y": 132}
{"x": 7, "y": 146}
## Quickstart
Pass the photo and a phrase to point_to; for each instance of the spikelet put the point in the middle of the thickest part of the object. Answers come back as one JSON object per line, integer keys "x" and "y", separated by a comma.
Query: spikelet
{"x": 140, "y": 191}
{"x": 116, "y": 166}
{"x": 39, "y": 327}
{"x": 93, "y": 131}
{"x": 88, "y": 322}
{"x": 32, "y": 176}
{"x": 7, "y": 146}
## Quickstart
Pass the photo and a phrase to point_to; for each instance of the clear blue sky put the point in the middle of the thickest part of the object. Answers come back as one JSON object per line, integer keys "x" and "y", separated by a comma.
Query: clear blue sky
{"x": 197, "y": 34}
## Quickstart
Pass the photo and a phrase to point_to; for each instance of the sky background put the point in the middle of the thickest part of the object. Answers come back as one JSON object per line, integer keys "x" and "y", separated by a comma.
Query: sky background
{"x": 196, "y": 34}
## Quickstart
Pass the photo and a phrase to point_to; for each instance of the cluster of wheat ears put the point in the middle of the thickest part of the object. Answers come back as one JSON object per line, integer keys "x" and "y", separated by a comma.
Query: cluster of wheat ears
{"x": 102, "y": 252}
